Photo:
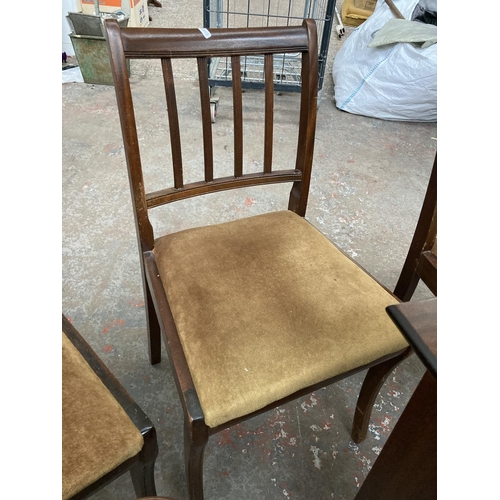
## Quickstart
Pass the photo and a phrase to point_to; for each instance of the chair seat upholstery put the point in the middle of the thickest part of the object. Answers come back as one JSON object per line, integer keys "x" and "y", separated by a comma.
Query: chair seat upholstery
{"x": 286, "y": 322}
{"x": 97, "y": 434}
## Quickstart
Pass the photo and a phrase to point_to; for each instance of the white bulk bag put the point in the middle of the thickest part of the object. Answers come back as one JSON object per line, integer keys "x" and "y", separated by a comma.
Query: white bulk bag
{"x": 392, "y": 82}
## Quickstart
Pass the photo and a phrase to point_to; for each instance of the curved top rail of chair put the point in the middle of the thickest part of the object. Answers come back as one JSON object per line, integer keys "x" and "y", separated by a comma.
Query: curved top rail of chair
{"x": 189, "y": 42}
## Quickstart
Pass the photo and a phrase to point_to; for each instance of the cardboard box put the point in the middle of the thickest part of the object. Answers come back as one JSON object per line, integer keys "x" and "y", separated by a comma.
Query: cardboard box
{"x": 139, "y": 15}
{"x": 355, "y": 12}
{"x": 136, "y": 9}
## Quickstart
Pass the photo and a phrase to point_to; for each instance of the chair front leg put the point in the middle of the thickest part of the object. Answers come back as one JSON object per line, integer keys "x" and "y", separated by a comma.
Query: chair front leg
{"x": 143, "y": 479}
{"x": 143, "y": 471}
{"x": 375, "y": 378}
{"x": 195, "y": 440}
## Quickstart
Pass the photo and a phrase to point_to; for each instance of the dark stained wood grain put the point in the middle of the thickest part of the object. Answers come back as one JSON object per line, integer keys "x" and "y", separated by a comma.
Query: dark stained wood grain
{"x": 169, "y": 195}
{"x": 238, "y": 116}
{"x": 373, "y": 382}
{"x": 124, "y": 100}
{"x": 142, "y": 43}
{"x": 173, "y": 121}
{"x": 206, "y": 119}
{"x": 421, "y": 260}
{"x": 307, "y": 128}
{"x": 417, "y": 321}
{"x": 269, "y": 111}
{"x": 406, "y": 468}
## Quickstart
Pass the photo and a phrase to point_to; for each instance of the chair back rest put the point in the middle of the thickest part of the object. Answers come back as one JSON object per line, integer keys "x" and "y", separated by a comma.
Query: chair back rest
{"x": 234, "y": 43}
{"x": 421, "y": 260}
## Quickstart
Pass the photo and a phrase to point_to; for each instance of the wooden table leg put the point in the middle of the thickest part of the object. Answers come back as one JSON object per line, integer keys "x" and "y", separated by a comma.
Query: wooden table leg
{"x": 406, "y": 468}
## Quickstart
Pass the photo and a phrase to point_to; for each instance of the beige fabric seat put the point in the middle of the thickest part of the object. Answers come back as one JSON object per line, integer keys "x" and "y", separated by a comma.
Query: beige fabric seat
{"x": 97, "y": 434}
{"x": 286, "y": 322}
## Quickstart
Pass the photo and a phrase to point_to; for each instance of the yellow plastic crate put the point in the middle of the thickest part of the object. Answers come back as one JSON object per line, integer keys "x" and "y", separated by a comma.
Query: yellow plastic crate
{"x": 355, "y": 12}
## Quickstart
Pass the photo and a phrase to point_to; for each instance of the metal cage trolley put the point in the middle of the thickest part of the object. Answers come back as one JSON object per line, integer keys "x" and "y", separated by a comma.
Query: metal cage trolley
{"x": 260, "y": 13}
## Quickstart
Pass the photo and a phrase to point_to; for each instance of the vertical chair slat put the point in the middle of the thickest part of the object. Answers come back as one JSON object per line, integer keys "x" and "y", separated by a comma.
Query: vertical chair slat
{"x": 269, "y": 108}
{"x": 238, "y": 116}
{"x": 173, "y": 120}
{"x": 206, "y": 119}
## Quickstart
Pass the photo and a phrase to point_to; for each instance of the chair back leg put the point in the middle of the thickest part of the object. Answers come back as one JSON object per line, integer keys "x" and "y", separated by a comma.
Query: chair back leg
{"x": 153, "y": 325}
{"x": 374, "y": 379}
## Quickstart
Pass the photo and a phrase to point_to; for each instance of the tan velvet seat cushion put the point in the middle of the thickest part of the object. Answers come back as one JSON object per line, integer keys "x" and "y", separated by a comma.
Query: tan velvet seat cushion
{"x": 266, "y": 306}
{"x": 97, "y": 434}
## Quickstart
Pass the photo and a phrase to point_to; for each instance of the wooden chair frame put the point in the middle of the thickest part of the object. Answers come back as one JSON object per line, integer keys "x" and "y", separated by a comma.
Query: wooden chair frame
{"x": 420, "y": 263}
{"x": 421, "y": 260}
{"x": 141, "y": 466}
{"x": 167, "y": 44}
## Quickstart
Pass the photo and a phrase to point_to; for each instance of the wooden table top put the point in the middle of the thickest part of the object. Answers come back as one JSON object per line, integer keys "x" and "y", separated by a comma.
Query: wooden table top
{"x": 417, "y": 321}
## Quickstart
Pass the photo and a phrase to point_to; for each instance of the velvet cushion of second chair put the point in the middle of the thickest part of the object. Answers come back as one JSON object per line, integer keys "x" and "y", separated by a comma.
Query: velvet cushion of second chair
{"x": 266, "y": 306}
{"x": 97, "y": 434}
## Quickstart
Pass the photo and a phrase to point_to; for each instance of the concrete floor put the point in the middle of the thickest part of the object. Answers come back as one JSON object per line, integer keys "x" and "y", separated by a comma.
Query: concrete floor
{"x": 368, "y": 182}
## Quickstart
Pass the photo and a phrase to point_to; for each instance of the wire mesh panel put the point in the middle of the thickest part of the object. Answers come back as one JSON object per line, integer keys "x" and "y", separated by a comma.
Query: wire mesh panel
{"x": 261, "y": 13}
